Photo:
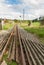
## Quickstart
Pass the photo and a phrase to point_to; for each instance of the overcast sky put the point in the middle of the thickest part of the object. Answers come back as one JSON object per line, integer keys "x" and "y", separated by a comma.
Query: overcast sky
{"x": 14, "y": 9}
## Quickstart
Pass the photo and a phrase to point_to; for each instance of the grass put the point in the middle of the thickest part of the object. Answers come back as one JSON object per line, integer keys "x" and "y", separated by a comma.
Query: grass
{"x": 36, "y": 29}
{"x": 35, "y": 24}
{"x": 7, "y": 26}
{"x": 9, "y": 62}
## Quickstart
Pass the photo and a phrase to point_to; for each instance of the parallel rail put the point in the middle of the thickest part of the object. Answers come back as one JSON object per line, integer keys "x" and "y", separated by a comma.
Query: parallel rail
{"x": 23, "y": 48}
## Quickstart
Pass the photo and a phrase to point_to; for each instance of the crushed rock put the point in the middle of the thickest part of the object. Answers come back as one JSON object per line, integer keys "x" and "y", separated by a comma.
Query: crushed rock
{"x": 4, "y": 63}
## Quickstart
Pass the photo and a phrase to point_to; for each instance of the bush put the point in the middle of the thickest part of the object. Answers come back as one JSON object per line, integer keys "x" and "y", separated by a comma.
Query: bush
{"x": 0, "y": 20}
{"x": 29, "y": 23}
{"x": 6, "y": 21}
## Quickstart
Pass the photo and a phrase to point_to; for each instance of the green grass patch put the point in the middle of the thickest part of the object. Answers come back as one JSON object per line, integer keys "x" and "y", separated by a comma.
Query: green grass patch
{"x": 35, "y": 24}
{"x": 7, "y": 26}
{"x": 35, "y": 28}
{"x": 38, "y": 31}
{"x": 9, "y": 62}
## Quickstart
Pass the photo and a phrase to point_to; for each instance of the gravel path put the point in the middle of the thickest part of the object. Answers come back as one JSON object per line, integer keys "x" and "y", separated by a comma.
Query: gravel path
{"x": 4, "y": 63}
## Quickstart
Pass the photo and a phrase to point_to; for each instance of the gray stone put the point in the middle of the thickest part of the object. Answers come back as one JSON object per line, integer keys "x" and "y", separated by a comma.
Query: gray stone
{"x": 4, "y": 63}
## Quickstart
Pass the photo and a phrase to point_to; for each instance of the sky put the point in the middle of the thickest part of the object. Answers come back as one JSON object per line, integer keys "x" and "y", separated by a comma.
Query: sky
{"x": 13, "y": 9}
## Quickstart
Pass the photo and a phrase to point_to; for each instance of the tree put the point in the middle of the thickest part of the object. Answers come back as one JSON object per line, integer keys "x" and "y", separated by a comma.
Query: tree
{"x": 29, "y": 22}
{"x": 35, "y": 20}
{"x": 6, "y": 20}
{"x": 41, "y": 19}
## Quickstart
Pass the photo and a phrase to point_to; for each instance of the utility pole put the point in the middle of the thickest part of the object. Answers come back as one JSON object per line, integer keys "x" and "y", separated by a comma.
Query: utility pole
{"x": 23, "y": 14}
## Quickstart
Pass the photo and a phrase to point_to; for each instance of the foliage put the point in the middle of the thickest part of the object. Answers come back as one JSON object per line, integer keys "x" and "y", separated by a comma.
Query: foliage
{"x": 16, "y": 21}
{"x": 41, "y": 18}
{"x": 29, "y": 22}
{"x": 38, "y": 31}
{"x": 6, "y": 20}
{"x": 7, "y": 26}
{"x": 35, "y": 20}
{"x": 9, "y": 62}
{"x": 36, "y": 24}
{"x": 0, "y": 20}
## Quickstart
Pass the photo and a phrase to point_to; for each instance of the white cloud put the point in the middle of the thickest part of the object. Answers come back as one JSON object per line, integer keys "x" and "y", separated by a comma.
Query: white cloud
{"x": 33, "y": 9}
{"x": 6, "y": 11}
{"x": 33, "y": 2}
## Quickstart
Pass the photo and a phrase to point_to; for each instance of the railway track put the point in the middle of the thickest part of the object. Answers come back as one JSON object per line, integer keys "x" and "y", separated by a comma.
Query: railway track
{"x": 5, "y": 43}
{"x": 23, "y": 48}
{"x": 31, "y": 51}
